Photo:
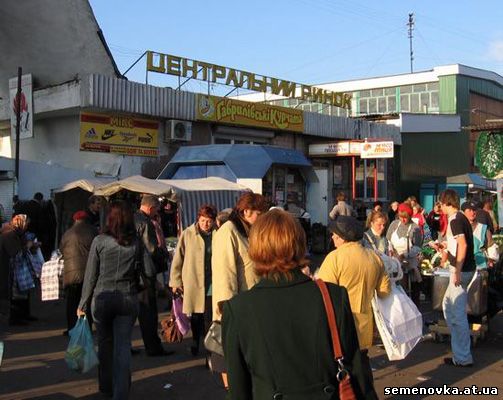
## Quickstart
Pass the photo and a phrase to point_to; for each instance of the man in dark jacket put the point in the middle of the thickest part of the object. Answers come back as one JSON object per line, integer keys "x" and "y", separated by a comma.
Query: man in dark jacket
{"x": 147, "y": 313}
{"x": 75, "y": 245}
{"x": 94, "y": 204}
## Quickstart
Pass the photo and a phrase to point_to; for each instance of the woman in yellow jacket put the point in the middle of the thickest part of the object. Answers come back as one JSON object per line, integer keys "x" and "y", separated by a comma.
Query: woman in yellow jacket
{"x": 233, "y": 269}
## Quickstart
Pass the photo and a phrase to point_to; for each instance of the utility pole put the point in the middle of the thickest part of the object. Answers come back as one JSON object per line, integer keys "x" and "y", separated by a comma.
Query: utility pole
{"x": 17, "y": 103}
{"x": 410, "y": 24}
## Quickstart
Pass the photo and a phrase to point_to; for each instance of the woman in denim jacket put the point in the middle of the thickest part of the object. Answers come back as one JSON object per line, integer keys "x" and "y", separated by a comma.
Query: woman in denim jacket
{"x": 111, "y": 280}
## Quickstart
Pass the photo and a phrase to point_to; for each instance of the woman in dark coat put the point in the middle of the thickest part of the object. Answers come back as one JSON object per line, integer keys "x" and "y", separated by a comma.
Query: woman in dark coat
{"x": 276, "y": 336}
{"x": 12, "y": 242}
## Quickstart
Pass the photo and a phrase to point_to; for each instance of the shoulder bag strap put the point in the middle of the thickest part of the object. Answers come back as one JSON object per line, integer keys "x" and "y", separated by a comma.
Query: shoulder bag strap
{"x": 329, "y": 308}
{"x": 371, "y": 241}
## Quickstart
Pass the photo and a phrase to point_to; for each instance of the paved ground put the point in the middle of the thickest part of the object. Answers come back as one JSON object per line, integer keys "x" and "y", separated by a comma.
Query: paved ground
{"x": 34, "y": 367}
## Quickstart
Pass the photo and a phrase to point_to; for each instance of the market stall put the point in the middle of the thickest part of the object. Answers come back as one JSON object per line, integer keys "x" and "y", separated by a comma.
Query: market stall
{"x": 485, "y": 292}
{"x": 189, "y": 194}
{"x": 73, "y": 197}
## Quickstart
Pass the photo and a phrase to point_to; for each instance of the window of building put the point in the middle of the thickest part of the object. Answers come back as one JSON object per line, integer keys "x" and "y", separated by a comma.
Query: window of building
{"x": 377, "y": 92}
{"x": 282, "y": 184}
{"x": 372, "y": 106}
{"x": 404, "y": 103}
{"x": 365, "y": 176}
{"x": 434, "y": 100}
{"x": 425, "y": 101}
{"x": 391, "y": 103}
{"x": 381, "y": 107}
{"x": 364, "y": 108}
{"x": 390, "y": 91}
{"x": 406, "y": 89}
{"x": 414, "y": 103}
{"x": 419, "y": 88}
{"x": 433, "y": 86}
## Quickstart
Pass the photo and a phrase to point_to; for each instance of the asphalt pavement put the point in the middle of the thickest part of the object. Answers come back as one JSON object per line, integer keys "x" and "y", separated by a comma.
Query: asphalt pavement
{"x": 33, "y": 365}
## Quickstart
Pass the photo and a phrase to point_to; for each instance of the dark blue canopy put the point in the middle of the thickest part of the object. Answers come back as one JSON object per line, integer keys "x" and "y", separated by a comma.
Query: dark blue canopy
{"x": 233, "y": 161}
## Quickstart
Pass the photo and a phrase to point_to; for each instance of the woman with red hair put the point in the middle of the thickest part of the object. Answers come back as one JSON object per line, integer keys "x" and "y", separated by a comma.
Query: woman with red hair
{"x": 405, "y": 241}
{"x": 276, "y": 335}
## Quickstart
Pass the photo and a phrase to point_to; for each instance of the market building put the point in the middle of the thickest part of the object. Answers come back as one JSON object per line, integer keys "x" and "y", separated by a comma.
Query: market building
{"x": 80, "y": 116}
{"x": 432, "y": 109}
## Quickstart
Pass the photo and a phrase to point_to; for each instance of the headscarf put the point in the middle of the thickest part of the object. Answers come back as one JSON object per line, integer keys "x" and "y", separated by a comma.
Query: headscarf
{"x": 20, "y": 222}
{"x": 404, "y": 207}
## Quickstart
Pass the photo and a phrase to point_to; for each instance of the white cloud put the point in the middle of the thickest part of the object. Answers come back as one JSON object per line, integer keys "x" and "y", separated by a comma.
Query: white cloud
{"x": 496, "y": 50}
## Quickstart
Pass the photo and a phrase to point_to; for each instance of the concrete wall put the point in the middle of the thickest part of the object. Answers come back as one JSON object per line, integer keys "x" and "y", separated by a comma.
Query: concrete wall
{"x": 55, "y": 40}
{"x": 56, "y": 142}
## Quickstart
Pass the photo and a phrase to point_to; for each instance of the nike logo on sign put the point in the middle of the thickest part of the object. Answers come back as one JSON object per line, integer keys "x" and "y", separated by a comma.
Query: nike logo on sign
{"x": 108, "y": 134}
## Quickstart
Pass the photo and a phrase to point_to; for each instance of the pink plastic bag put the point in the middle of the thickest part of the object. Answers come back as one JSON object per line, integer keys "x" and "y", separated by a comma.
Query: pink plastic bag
{"x": 182, "y": 321}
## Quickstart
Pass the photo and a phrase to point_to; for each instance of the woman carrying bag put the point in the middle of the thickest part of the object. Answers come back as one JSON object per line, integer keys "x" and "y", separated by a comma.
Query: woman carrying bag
{"x": 191, "y": 273}
{"x": 112, "y": 281}
{"x": 277, "y": 336}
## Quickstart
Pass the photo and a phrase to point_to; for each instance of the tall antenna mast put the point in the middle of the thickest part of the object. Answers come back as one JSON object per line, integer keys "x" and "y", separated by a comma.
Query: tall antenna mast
{"x": 410, "y": 24}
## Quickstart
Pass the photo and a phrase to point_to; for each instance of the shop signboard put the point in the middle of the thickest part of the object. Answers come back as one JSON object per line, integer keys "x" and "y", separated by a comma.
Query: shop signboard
{"x": 194, "y": 69}
{"x": 339, "y": 149}
{"x": 377, "y": 150}
{"x": 235, "y": 112}
{"x": 119, "y": 134}
{"x": 25, "y": 103}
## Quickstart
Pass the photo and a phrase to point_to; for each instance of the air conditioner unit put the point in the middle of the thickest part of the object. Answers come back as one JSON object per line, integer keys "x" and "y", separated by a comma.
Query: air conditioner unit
{"x": 178, "y": 131}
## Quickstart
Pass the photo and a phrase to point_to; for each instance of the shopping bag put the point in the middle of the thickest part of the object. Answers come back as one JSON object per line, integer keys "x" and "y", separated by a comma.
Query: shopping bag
{"x": 51, "y": 278}
{"x": 169, "y": 330}
{"x": 182, "y": 321}
{"x": 399, "y": 322}
{"x": 23, "y": 274}
{"x": 213, "y": 339}
{"x": 392, "y": 267}
{"x": 80, "y": 354}
{"x": 36, "y": 260}
{"x": 477, "y": 293}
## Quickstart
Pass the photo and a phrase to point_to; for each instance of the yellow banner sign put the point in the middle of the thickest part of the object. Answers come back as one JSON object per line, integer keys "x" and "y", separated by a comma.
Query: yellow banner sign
{"x": 119, "y": 134}
{"x": 194, "y": 69}
{"x": 235, "y": 112}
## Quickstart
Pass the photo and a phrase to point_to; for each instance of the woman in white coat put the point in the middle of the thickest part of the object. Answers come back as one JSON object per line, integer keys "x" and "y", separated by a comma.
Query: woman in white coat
{"x": 191, "y": 272}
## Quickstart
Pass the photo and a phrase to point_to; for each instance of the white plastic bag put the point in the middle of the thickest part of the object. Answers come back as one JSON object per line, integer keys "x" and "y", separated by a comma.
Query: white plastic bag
{"x": 399, "y": 322}
{"x": 392, "y": 267}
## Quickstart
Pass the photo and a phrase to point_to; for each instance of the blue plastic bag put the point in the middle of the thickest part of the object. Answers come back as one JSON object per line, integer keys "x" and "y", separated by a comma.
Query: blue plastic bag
{"x": 80, "y": 354}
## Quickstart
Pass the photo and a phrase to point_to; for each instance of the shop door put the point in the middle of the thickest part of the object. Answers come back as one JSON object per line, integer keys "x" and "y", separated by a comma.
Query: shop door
{"x": 317, "y": 198}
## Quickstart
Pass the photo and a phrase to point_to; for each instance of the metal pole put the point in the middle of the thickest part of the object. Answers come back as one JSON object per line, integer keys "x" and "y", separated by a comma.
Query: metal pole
{"x": 17, "y": 104}
{"x": 375, "y": 180}
{"x": 353, "y": 176}
{"x": 410, "y": 24}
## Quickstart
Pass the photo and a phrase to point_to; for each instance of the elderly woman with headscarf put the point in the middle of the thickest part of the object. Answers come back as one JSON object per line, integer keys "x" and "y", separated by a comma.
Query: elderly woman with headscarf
{"x": 12, "y": 242}
{"x": 405, "y": 241}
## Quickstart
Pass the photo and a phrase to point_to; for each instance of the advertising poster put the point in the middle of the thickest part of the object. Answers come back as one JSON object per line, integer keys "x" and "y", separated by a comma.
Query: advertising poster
{"x": 25, "y": 103}
{"x": 377, "y": 150}
{"x": 119, "y": 134}
{"x": 235, "y": 112}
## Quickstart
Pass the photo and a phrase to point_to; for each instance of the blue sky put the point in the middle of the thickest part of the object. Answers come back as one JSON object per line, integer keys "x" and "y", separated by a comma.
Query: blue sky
{"x": 306, "y": 41}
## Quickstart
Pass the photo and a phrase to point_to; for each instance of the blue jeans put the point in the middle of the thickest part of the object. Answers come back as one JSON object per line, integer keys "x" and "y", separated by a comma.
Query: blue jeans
{"x": 454, "y": 306}
{"x": 114, "y": 314}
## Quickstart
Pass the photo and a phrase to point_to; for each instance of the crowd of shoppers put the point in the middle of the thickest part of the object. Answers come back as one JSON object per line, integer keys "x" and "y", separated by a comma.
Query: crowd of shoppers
{"x": 248, "y": 268}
